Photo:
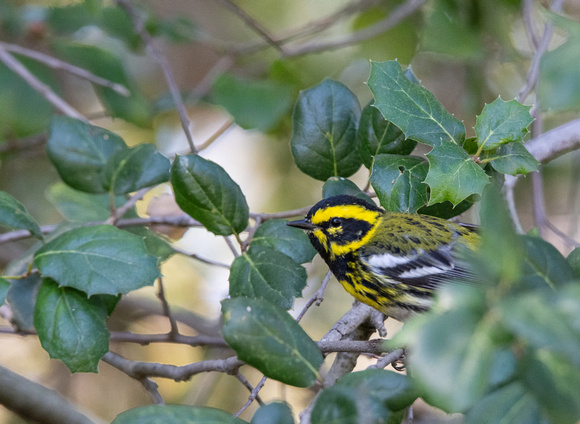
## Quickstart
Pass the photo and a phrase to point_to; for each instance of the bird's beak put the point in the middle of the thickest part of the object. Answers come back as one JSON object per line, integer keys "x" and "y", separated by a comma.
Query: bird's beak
{"x": 303, "y": 224}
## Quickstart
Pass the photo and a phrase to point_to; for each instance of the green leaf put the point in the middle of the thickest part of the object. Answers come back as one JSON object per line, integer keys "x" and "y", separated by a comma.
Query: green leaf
{"x": 398, "y": 182}
{"x": 512, "y": 159}
{"x": 134, "y": 108}
{"x": 79, "y": 206}
{"x": 554, "y": 381}
{"x": 573, "y": 260}
{"x": 451, "y": 368}
{"x": 376, "y": 136}
{"x": 4, "y": 287}
{"x": 24, "y": 111}
{"x": 502, "y": 122}
{"x": 447, "y": 210}
{"x": 559, "y": 82}
{"x": 412, "y": 108}
{"x": 13, "y": 215}
{"x": 338, "y": 405}
{"x": 269, "y": 339}
{"x": 544, "y": 266}
{"x": 100, "y": 259}
{"x": 511, "y": 404}
{"x": 80, "y": 153}
{"x": 273, "y": 413}
{"x": 253, "y": 104}
{"x": 453, "y": 176}
{"x": 379, "y": 388}
{"x": 22, "y": 297}
{"x": 205, "y": 191}
{"x": 170, "y": 414}
{"x": 324, "y": 126}
{"x": 546, "y": 322}
{"x": 264, "y": 273}
{"x": 71, "y": 327}
{"x": 155, "y": 244}
{"x": 339, "y": 185}
{"x": 293, "y": 242}
{"x": 136, "y": 168}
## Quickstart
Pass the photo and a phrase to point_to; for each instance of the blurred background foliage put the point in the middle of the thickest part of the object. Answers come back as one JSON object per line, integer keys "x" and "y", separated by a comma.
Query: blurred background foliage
{"x": 239, "y": 67}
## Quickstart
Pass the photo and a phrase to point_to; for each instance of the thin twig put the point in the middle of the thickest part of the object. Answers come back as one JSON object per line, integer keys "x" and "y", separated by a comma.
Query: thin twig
{"x": 221, "y": 130}
{"x": 252, "y": 23}
{"x": 201, "y": 259}
{"x": 280, "y": 215}
{"x": 395, "y": 17}
{"x": 55, "y": 63}
{"x": 161, "y": 60}
{"x": 119, "y": 212}
{"x": 317, "y": 297}
{"x": 389, "y": 358}
{"x": 153, "y": 390}
{"x": 253, "y": 396}
{"x": 174, "y": 331}
{"x": 45, "y": 91}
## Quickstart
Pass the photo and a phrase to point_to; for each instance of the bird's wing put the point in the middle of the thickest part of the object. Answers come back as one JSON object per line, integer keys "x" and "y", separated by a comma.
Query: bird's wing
{"x": 424, "y": 269}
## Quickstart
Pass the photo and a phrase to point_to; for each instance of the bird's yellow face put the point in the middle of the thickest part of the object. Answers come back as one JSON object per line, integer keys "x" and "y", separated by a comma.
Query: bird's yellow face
{"x": 336, "y": 228}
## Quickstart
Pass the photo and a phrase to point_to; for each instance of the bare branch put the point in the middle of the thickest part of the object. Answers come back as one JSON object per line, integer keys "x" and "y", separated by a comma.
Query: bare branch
{"x": 389, "y": 358}
{"x": 253, "y": 396}
{"x": 161, "y": 60}
{"x": 55, "y": 63}
{"x": 45, "y": 91}
{"x": 119, "y": 212}
{"x": 35, "y": 402}
{"x": 317, "y": 297}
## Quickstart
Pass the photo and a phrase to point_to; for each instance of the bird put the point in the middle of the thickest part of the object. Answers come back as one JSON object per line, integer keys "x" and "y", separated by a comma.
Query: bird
{"x": 392, "y": 261}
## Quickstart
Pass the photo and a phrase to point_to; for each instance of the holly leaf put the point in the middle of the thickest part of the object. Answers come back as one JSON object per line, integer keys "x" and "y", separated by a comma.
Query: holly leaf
{"x": 13, "y": 215}
{"x": 324, "y": 126}
{"x": 71, "y": 327}
{"x": 398, "y": 182}
{"x": 335, "y": 186}
{"x": 98, "y": 260}
{"x": 206, "y": 192}
{"x": 453, "y": 175}
{"x": 263, "y": 273}
{"x": 512, "y": 159}
{"x": 269, "y": 339}
{"x": 411, "y": 107}
{"x": 502, "y": 122}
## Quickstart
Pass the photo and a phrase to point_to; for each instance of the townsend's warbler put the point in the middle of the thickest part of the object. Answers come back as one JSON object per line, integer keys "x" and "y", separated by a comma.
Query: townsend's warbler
{"x": 390, "y": 261}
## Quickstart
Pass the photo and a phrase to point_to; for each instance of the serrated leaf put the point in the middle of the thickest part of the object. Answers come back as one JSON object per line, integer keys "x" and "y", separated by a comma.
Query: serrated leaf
{"x": 98, "y": 260}
{"x": 264, "y": 273}
{"x": 502, "y": 122}
{"x": 510, "y": 404}
{"x": 293, "y": 242}
{"x": 205, "y": 191}
{"x": 80, "y": 153}
{"x": 453, "y": 176}
{"x": 14, "y": 215}
{"x": 4, "y": 287}
{"x": 79, "y": 206}
{"x": 22, "y": 297}
{"x": 71, "y": 327}
{"x": 136, "y": 168}
{"x": 273, "y": 413}
{"x": 398, "y": 182}
{"x": 411, "y": 107}
{"x": 335, "y": 186}
{"x": 324, "y": 126}
{"x": 376, "y": 135}
{"x": 253, "y": 104}
{"x": 170, "y": 414}
{"x": 512, "y": 159}
{"x": 269, "y": 339}
{"x": 554, "y": 381}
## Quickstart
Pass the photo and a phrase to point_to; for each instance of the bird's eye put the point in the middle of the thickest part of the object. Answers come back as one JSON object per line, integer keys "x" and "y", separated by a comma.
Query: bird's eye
{"x": 335, "y": 222}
